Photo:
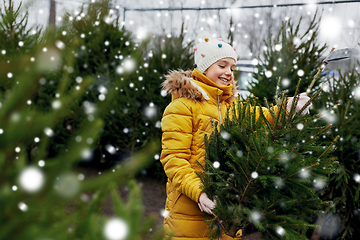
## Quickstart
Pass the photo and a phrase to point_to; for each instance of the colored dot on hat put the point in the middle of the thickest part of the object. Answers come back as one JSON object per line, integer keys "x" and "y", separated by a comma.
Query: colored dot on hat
{"x": 220, "y": 45}
{"x": 195, "y": 48}
{"x": 206, "y": 39}
{"x": 203, "y": 54}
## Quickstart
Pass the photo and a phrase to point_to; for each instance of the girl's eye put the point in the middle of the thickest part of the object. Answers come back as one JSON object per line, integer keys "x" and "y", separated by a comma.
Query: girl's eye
{"x": 232, "y": 70}
{"x": 221, "y": 66}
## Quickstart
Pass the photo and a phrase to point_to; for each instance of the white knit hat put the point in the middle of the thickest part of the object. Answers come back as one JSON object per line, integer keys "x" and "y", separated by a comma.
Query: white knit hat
{"x": 209, "y": 51}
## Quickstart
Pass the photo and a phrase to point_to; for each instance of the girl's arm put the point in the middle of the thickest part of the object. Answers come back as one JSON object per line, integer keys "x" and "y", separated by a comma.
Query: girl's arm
{"x": 177, "y": 137}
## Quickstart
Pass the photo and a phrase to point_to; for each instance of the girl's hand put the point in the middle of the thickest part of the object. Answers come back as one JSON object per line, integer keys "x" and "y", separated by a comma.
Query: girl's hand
{"x": 205, "y": 204}
{"x": 303, "y": 99}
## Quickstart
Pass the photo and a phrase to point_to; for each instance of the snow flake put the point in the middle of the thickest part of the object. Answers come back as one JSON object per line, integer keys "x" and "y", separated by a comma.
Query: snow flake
{"x": 102, "y": 89}
{"x": 49, "y": 132}
{"x": 23, "y": 207}
{"x": 14, "y": 188}
{"x": 60, "y": 45}
{"x": 357, "y": 177}
{"x": 330, "y": 27}
{"x": 129, "y": 65}
{"x": 280, "y": 231}
{"x": 319, "y": 184}
{"x": 116, "y": 229}
{"x": 225, "y": 135}
{"x": 81, "y": 177}
{"x": 163, "y": 93}
{"x": 300, "y": 72}
{"x": 67, "y": 185}
{"x": 78, "y": 138}
{"x": 41, "y": 163}
{"x": 56, "y": 104}
{"x": 285, "y": 82}
{"x": 3, "y": 52}
{"x": 254, "y": 175}
{"x": 156, "y": 156}
{"x": 111, "y": 149}
{"x": 31, "y": 179}
{"x": 150, "y": 111}
{"x": 300, "y": 126}
{"x": 102, "y": 97}
{"x": 9, "y": 75}
{"x": 216, "y": 164}
{"x": 304, "y": 173}
{"x": 356, "y": 93}
{"x": 255, "y": 216}
{"x": 86, "y": 154}
{"x": 268, "y": 74}
{"x": 1, "y": 131}
{"x": 17, "y": 149}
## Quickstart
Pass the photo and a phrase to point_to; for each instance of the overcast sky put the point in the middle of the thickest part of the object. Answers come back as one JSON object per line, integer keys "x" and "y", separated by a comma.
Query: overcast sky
{"x": 340, "y": 22}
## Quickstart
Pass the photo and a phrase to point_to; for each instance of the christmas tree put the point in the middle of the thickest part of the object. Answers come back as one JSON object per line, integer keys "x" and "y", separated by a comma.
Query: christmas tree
{"x": 44, "y": 195}
{"x": 290, "y": 56}
{"x": 265, "y": 177}
{"x": 15, "y": 38}
{"x": 342, "y": 94}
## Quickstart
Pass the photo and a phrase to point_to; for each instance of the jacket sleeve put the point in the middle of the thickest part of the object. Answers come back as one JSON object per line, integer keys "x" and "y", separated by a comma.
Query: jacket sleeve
{"x": 177, "y": 127}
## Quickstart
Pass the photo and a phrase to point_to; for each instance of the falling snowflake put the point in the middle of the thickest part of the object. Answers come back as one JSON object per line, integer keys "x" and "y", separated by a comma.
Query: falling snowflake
{"x": 280, "y": 231}
{"x": 216, "y": 164}
{"x": 116, "y": 229}
{"x": 268, "y": 74}
{"x": 111, "y": 149}
{"x": 300, "y": 126}
{"x": 255, "y": 216}
{"x": 304, "y": 173}
{"x": 357, "y": 177}
{"x": 86, "y": 154}
{"x": 67, "y": 185}
{"x": 49, "y": 132}
{"x": 56, "y": 104}
{"x": 319, "y": 184}
{"x": 225, "y": 135}
{"x": 31, "y": 179}
{"x": 23, "y": 207}
{"x": 300, "y": 72}
{"x": 254, "y": 175}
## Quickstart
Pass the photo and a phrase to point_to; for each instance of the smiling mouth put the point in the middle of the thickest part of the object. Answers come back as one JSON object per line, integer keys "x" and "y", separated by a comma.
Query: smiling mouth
{"x": 224, "y": 80}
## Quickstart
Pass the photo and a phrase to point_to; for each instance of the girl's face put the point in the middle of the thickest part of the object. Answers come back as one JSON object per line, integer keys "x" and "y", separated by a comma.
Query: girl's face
{"x": 221, "y": 72}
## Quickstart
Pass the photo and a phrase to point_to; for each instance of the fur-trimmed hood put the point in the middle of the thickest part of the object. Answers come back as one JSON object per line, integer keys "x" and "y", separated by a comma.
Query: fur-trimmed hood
{"x": 179, "y": 83}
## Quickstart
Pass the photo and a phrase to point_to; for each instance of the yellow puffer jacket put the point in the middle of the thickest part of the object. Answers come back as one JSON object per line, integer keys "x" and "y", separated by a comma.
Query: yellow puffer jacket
{"x": 197, "y": 103}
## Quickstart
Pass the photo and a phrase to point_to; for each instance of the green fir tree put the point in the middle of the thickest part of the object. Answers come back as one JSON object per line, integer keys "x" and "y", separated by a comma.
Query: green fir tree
{"x": 342, "y": 95}
{"x": 15, "y": 38}
{"x": 266, "y": 177}
{"x": 45, "y": 196}
{"x": 289, "y": 56}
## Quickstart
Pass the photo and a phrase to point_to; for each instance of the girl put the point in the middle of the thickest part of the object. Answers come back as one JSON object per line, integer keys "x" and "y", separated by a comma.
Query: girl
{"x": 199, "y": 99}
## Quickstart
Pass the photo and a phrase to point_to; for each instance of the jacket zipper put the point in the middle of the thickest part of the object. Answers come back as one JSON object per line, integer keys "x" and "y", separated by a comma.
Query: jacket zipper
{"x": 219, "y": 109}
